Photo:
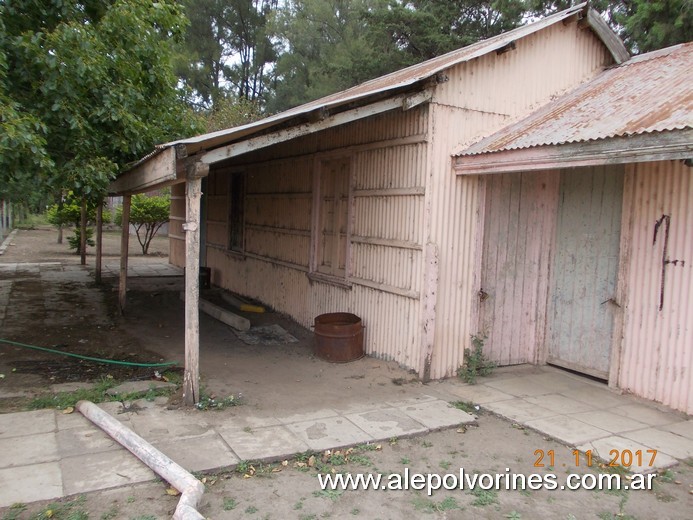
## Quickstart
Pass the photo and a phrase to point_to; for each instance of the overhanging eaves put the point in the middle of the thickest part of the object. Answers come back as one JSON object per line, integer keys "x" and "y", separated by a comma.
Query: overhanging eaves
{"x": 157, "y": 170}
{"x": 659, "y": 146}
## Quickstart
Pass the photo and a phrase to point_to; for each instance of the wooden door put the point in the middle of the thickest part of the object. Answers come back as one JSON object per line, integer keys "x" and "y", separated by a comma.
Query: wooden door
{"x": 519, "y": 220}
{"x": 585, "y": 269}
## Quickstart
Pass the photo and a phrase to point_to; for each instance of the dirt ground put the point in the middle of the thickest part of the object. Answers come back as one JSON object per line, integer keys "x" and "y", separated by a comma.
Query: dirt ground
{"x": 277, "y": 379}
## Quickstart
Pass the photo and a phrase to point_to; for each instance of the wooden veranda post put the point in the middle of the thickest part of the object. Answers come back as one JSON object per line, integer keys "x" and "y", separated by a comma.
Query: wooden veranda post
{"x": 99, "y": 241}
{"x": 193, "y": 193}
{"x": 124, "y": 242}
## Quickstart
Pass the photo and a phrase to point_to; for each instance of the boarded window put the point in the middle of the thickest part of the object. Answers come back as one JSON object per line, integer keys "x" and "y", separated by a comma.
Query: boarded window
{"x": 333, "y": 221}
{"x": 236, "y": 199}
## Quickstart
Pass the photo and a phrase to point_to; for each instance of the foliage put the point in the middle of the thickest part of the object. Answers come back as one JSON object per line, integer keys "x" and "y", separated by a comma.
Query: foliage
{"x": 95, "y": 394}
{"x": 94, "y": 86}
{"x": 69, "y": 212}
{"x": 147, "y": 215}
{"x": 74, "y": 241}
{"x": 475, "y": 362}
{"x": 227, "y": 50}
{"x": 644, "y": 25}
{"x": 211, "y": 402}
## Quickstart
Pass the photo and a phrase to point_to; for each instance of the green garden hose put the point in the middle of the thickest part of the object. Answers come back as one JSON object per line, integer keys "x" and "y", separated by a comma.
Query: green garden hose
{"x": 88, "y": 358}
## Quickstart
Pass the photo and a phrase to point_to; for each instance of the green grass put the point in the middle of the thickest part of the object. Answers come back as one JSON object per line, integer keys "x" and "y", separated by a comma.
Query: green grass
{"x": 69, "y": 510}
{"x": 465, "y": 406}
{"x": 95, "y": 394}
{"x": 229, "y": 504}
{"x": 332, "y": 494}
{"x": 484, "y": 497}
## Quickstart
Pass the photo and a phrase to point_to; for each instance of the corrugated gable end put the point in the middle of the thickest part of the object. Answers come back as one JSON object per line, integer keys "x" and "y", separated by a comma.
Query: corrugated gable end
{"x": 480, "y": 97}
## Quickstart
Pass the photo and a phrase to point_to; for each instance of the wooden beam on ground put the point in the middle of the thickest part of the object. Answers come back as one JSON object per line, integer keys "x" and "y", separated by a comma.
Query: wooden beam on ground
{"x": 224, "y": 316}
{"x": 195, "y": 171}
{"x": 99, "y": 241}
{"x": 124, "y": 243}
{"x": 154, "y": 171}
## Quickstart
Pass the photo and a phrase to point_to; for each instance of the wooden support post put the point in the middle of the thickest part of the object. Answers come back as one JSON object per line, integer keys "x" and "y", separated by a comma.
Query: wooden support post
{"x": 428, "y": 310}
{"x": 83, "y": 233}
{"x": 99, "y": 241}
{"x": 124, "y": 242}
{"x": 193, "y": 194}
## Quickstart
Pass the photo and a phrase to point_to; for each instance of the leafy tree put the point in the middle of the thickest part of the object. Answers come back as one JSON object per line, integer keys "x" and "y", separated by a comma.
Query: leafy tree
{"x": 94, "y": 85}
{"x": 227, "y": 51}
{"x": 330, "y": 45}
{"x": 644, "y": 25}
{"x": 147, "y": 215}
{"x": 68, "y": 212}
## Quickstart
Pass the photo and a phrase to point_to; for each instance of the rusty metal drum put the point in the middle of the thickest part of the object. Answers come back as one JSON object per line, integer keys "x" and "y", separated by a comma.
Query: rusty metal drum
{"x": 338, "y": 337}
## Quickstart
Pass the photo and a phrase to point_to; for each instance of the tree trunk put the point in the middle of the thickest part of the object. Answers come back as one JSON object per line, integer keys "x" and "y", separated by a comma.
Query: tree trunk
{"x": 83, "y": 233}
{"x": 99, "y": 241}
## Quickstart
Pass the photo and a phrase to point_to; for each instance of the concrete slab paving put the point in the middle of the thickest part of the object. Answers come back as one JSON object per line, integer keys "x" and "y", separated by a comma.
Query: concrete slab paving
{"x": 263, "y": 444}
{"x": 88, "y": 439}
{"x": 30, "y": 483}
{"x": 163, "y": 425}
{"x": 328, "y": 433}
{"x": 559, "y": 403}
{"x": 479, "y": 394}
{"x": 645, "y": 414}
{"x": 386, "y": 423}
{"x": 684, "y": 429}
{"x": 568, "y": 429}
{"x": 666, "y": 442}
{"x": 520, "y": 387}
{"x": 520, "y": 410}
{"x": 437, "y": 414}
{"x": 598, "y": 397}
{"x": 613, "y": 446}
{"x": 606, "y": 420}
{"x": 102, "y": 471}
{"x": 26, "y": 423}
{"x": 28, "y": 449}
{"x": 204, "y": 453}
{"x": 309, "y": 416}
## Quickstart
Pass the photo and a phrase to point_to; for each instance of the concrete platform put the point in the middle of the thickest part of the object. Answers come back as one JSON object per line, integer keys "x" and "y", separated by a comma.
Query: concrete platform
{"x": 47, "y": 454}
{"x": 584, "y": 414}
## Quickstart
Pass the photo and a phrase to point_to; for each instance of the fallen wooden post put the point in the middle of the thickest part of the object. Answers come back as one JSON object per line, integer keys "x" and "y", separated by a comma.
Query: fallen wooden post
{"x": 190, "y": 488}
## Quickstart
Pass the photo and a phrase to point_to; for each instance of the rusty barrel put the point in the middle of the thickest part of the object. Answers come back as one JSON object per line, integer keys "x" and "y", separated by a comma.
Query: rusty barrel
{"x": 338, "y": 337}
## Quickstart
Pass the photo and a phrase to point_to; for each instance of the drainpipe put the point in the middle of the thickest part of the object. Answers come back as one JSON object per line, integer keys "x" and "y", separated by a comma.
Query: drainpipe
{"x": 190, "y": 488}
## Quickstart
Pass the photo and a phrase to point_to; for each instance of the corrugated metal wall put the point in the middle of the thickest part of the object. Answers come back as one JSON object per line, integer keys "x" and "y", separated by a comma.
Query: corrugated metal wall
{"x": 481, "y": 97}
{"x": 657, "y": 351}
{"x": 388, "y": 162}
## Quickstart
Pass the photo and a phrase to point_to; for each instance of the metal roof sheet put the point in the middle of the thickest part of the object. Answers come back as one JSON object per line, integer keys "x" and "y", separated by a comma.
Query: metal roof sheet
{"x": 392, "y": 82}
{"x": 649, "y": 93}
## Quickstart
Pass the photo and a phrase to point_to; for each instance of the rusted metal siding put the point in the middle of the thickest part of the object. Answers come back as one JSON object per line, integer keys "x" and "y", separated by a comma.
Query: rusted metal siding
{"x": 480, "y": 97}
{"x": 649, "y": 93}
{"x": 513, "y": 83}
{"x": 388, "y": 155}
{"x": 519, "y": 226}
{"x": 657, "y": 350}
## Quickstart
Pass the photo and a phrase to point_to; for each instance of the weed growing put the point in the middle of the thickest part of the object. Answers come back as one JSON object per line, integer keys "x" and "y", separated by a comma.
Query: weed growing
{"x": 476, "y": 364}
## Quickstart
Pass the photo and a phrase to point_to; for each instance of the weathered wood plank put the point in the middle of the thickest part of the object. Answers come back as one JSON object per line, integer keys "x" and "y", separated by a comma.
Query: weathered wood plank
{"x": 148, "y": 174}
{"x": 224, "y": 316}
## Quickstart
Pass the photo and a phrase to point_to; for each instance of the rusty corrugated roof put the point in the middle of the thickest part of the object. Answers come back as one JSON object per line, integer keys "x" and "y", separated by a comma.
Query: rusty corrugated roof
{"x": 649, "y": 93}
{"x": 383, "y": 85}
